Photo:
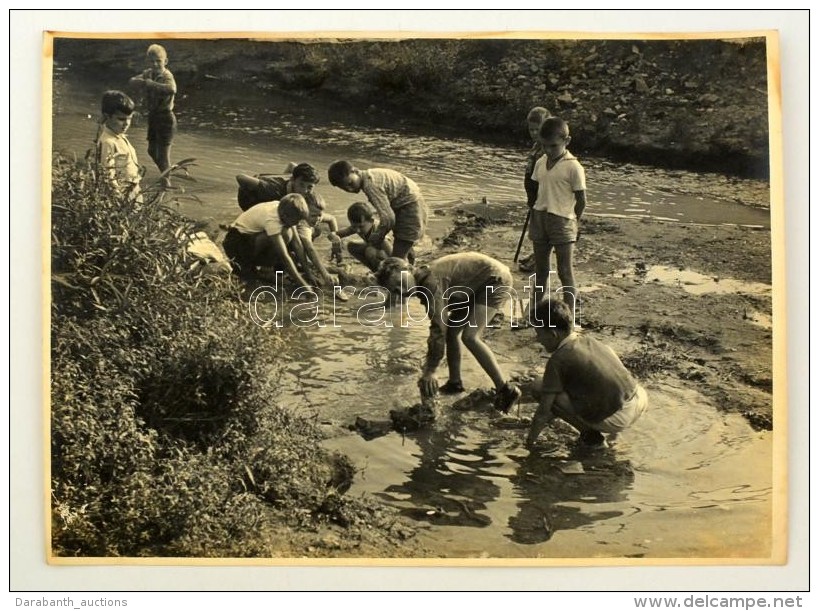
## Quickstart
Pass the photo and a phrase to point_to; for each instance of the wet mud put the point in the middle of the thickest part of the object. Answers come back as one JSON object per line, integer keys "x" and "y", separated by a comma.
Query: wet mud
{"x": 689, "y": 309}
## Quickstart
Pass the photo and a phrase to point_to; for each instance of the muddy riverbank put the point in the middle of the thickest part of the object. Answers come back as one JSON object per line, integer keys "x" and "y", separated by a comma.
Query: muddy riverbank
{"x": 687, "y": 306}
{"x": 690, "y": 303}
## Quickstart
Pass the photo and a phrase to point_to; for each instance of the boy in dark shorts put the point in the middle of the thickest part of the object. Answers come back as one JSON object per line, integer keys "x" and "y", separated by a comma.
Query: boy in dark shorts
{"x": 461, "y": 293}
{"x": 585, "y": 382}
{"x": 397, "y": 200}
{"x": 160, "y": 91}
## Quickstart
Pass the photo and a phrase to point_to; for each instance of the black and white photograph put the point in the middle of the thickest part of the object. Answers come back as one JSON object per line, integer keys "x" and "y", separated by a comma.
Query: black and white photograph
{"x": 419, "y": 298}
{"x": 407, "y": 300}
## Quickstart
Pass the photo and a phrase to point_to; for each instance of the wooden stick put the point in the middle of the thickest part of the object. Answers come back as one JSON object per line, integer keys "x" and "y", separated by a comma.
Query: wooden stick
{"x": 522, "y": 235}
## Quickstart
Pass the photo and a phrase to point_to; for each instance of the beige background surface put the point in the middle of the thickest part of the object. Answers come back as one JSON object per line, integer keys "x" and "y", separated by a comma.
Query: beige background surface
{"x": 28, "y": 571}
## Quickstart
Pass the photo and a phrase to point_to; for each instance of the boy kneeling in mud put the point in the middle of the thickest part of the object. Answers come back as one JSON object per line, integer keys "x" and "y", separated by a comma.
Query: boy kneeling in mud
{"x": 364, "y": 223}
{"x": 259, "y": 238}
{"x": 254, "y": 190}
{"x": 461, "y": 293}
{"x": 585, "y": 382}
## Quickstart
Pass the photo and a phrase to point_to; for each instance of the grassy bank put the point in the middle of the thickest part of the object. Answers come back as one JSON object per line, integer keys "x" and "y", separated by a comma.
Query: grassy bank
{"x": 693, "y": 104}
{"x": 166, "y": 435}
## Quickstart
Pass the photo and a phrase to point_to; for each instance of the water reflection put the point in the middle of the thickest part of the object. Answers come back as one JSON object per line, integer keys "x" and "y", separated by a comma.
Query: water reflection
{"x": 451, "y": 485}
{"x": 464, "y": 475}
{"x": 556, "y": 494}
{"x": 362, "y": 362}
{"x": 691, "y": 281}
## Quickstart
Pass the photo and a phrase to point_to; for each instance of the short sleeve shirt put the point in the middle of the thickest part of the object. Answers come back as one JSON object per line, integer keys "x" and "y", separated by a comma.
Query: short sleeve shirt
{"x": 117, "y": 156}
{"x": 262, "y": 217}
{"x": 556, "y": 186}
{"x": 160, "y": 101}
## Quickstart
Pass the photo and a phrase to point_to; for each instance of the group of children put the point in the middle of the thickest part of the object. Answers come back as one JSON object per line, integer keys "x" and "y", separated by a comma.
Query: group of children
{"x": 114, "y": 154}
{"x": 389, "y": 223}
{"x": 584, "y": 383}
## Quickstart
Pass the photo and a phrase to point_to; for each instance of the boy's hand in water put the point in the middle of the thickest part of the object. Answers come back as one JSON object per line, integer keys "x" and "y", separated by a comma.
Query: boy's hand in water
{"x": 336, "y": 251}
{"x": 428, "y": 386}
{"x": 330, "y": 281}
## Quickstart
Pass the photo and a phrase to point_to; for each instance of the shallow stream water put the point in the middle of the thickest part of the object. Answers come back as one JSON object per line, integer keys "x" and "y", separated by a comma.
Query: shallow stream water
{"x": 686, "y": 482}
{"x": 229, "y": 134}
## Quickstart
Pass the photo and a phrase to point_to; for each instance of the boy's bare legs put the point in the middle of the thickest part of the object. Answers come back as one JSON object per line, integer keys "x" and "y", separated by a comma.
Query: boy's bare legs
{"x": 473, "y": 340}
{"x": 358, "y": 251}
{"x": 565, "y": 271}
{"x": 374, "y": 256}
{"x": 453, "y": 353}
{"x": 401, "y": 248}
{"x": 543, "y": 265}
{"x": 161, "y": 154}
{"x": 563, "y": 409}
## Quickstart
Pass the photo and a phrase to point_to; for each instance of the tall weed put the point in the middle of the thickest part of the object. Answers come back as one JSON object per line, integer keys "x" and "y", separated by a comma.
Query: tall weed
{"x": 166, "y": 436}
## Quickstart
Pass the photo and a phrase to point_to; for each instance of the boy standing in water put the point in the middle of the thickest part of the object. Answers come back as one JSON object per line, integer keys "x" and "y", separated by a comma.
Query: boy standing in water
{"x": 461, "y": 292}
{"x": 397, "y": 200}
{"x": 534, "y": 120}
{"x": 160, "y": 90}
{"x": 115, "y": 156}
{"x": 561, "y": 199}
{"x": 585, "y": 382}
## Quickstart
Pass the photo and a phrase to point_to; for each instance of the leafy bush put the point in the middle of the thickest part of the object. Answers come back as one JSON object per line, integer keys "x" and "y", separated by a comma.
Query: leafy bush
{"x": 166, "y": 439}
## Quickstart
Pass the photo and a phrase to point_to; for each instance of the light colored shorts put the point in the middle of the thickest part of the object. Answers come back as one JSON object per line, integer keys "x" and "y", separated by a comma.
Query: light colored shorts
{"x": 556, "y": 230}
{"x": 626, "y": 415}
{"x": 503, "y": 284}
{"x": 458, "y": 308}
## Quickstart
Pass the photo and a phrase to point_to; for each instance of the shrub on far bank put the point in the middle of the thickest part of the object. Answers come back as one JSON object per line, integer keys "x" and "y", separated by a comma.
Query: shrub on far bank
{"x": 166, "y": 438}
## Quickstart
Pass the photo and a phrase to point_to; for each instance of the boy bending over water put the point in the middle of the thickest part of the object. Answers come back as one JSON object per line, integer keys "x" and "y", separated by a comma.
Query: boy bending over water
{"x": 585, "y": 383}
{"x": 396, "y": 198}
{"x": 303, "y": 178}
{"x": 461, "y": 293}
{"x": 259, "y": 238}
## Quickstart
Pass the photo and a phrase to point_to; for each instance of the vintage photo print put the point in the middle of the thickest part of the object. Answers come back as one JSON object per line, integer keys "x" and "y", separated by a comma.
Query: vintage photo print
{"x": 417, "y": 299}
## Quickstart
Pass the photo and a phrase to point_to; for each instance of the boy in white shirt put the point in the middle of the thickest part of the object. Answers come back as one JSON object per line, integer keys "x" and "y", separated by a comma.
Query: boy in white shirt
{"x": 561, "y": 199}
{"x": 115, "y": 156}
{"x": 259, "y": 237}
